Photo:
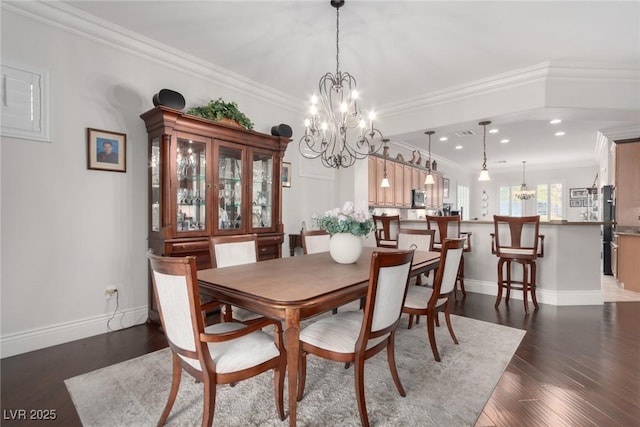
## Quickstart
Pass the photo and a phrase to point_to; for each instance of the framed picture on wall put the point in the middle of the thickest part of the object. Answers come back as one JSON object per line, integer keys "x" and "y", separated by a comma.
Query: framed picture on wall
{"x": 106, "y": 150}
{"x": 286, "y": 174}
{"x": 575, "y": 203}
{"x": 445, "y": 186}
{"x": 578, "y": 193}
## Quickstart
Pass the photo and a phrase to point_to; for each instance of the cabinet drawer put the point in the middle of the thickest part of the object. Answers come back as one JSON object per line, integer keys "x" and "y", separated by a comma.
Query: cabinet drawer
{"x": 198, "y": 249}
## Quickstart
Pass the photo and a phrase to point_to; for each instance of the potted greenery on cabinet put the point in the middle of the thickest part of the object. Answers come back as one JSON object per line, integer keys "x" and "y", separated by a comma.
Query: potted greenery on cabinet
{"x": 219, "y": 110}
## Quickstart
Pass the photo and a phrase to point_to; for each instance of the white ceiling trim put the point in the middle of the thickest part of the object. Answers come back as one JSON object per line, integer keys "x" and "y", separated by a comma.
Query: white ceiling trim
{"x": 67, "y": 18}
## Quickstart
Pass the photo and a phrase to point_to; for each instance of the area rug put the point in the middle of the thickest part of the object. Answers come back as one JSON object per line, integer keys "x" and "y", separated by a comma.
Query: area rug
{"x": 450, "y": 393}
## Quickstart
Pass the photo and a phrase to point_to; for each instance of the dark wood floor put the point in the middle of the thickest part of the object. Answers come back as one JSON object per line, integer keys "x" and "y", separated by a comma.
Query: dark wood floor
{"x": 576, "y": 366}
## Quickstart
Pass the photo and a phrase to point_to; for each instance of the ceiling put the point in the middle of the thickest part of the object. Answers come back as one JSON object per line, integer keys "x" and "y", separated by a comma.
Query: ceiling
{"x": 402, "y": 50}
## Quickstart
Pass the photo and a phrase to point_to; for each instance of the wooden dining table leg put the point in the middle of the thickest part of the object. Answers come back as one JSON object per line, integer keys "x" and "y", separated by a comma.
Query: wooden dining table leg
{"x": 292, "y": 345}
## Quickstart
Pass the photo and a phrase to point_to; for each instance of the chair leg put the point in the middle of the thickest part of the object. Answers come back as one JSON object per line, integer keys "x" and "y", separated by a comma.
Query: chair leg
{"x": 278, "y": 380}
{"x": 302, "y": 375}
{"x": 432, "y": 334}
{"x": 461, "y": 273}
{"x": 534, "y": 285}
{"x": 209, "y": 401}
{"x": 508, "y": 281}
{"x": 391, "y": 357}
{"x": 500, "y": 282}
{"x": 525, "y": 286}
{"x": 359, "y": 382}
{"x": 447, "y": 317}
{"x": 410, "y": 321}
{"x": 175, "y": 384}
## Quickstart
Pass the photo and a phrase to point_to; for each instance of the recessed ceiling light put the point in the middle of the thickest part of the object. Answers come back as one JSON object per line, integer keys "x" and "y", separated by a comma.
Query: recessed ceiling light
{"x": 504, "y": 141}
{"x": 559, "y": 133}
{"x": 458, "y": 147}
{"x": 555, "y": 121}
{"x": 444, "y": 138}
{"x": 494, "y": 131}
{"x": 501, "y": 161}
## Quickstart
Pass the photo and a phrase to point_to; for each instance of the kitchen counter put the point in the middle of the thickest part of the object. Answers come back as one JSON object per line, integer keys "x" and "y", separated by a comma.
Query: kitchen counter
{"x": 568, "y": 274}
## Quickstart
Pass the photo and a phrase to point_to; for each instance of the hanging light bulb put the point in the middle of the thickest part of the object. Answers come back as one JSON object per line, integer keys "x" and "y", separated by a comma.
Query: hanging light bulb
{"x": 385, "y": 180}
{"x": 429, "y": 179}
{"x": 484, "y": 173}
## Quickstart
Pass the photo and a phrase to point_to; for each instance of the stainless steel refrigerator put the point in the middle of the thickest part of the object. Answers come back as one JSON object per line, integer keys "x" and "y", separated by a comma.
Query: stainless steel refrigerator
{"x": 608, "y": 215}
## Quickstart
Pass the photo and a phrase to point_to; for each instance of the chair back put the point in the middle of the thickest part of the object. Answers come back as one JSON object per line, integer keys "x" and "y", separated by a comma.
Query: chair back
{"x": 516, "y": 237}
{"x": 314, "y": 241}
{"x": 388, "y": 280}
{"x": 386, "y": 230}
{"x": 175, "y": 287}
{"x": 227, "y": 251}
{"x": 420, "y": 240}
{"x": 447, "y": 273}
{"x": 445, "y": 227}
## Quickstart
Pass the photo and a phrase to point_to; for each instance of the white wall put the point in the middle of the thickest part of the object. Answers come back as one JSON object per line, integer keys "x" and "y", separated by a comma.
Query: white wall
{"x": 69, "y": 232}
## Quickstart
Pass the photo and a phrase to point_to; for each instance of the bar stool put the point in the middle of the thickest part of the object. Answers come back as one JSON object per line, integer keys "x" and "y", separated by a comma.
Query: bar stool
{"x": 516, "y": 240}
{"x": 448, "y": 227}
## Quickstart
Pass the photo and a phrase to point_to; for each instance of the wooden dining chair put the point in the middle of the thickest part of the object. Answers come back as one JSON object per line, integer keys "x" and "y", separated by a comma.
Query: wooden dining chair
{"x": 448, "y": 227}
{"x": 315, "y": 241}
{"x": 386, "y": 230}
{"x": 355, "y": 336}
{"x": 423, "y": 301}
{"x": 227, "y": 251}
{"x": 420, "y": 240}
{"x": 224, "y": 353}
{"x": 517, "y": 239}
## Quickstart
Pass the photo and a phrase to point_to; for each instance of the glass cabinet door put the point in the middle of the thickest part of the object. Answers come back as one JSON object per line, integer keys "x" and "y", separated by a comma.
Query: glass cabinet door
{"x": 230, "y": 188}
{"x": 191, "y": 189}
{"x": 262, "y": 205}
{"x": 154, "y": 176}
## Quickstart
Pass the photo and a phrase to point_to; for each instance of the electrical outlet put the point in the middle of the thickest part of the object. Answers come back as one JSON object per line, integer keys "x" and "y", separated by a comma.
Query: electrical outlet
{"x": 111, "y": 291}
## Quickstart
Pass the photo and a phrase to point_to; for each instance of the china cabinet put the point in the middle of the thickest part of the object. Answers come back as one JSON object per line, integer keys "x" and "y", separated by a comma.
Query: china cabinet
{"x": 208, "y": 178}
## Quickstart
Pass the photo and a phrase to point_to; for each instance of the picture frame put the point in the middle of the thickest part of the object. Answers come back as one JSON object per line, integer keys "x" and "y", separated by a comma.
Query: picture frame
{"x": 286, "y": 174}
{"x": 578, "y": 193}
{"x": 106, "y": 150}
{"x": 575, "y": 203}
{"x": 587, "y": 203}
{"x": 445, "y": 186}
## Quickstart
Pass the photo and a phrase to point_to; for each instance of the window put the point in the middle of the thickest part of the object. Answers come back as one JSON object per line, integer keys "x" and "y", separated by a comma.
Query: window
{"x": 548, "y": 202}
{"x": 462, "y": 200}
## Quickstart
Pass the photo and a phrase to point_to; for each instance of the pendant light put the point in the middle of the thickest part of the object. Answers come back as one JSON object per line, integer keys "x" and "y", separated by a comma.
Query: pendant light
{"x": 524, "y": 193}
{"x": 484, "y": 173}
{"x": 385, "y": 180}
{"x": 429, "y": 179}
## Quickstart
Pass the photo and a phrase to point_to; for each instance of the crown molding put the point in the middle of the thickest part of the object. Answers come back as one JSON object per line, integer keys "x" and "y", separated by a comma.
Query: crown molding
{"x": 541, "y": 72}
{"x": 67, "y": 18}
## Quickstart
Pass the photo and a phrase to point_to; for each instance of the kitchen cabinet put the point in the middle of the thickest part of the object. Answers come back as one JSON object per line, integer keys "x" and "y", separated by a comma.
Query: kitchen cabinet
{"x": 628, "y": 260}
{"x": 208, "y": 179}
{"x": 402, "y": 178}
{"x": 627, "y": 182}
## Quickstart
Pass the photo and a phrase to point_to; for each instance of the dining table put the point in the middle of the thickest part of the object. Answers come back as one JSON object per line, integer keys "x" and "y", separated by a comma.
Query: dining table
{"x": 295, "y": 288}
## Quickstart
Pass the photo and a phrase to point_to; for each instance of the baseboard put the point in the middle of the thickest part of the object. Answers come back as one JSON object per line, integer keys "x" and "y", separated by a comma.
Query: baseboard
{"x": 35, "y": 339}
{"x": 545, "y": 296}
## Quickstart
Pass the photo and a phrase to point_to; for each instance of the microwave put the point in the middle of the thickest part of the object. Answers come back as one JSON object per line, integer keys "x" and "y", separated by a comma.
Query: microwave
{"x": 418, "y": 198}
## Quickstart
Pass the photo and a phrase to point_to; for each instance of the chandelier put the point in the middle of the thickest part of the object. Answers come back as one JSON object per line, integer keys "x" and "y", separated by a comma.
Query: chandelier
{"x": 429, "y": 179}
{"x": 325, "y": 134}
{"x": 484, "y": 173}
{"x": 524, "y": 193}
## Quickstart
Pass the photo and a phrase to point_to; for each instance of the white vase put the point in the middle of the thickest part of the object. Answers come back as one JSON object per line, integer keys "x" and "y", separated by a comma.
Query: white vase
{"x": 345, "y": 248}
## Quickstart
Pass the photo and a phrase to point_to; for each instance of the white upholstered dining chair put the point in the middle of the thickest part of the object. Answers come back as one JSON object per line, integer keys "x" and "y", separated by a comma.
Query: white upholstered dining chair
{"x": 315, "y": 241}
{"x": 418, "y": 239}
{"x": 224, "y": 353}
{"x": 355, "y": 336}
{"x": 227, "y": 251}
{"x": 423, "y": 301}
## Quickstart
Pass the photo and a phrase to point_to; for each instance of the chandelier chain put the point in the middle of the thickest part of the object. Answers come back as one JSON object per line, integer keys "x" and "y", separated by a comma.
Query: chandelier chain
{"x": 337, "y": 41}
